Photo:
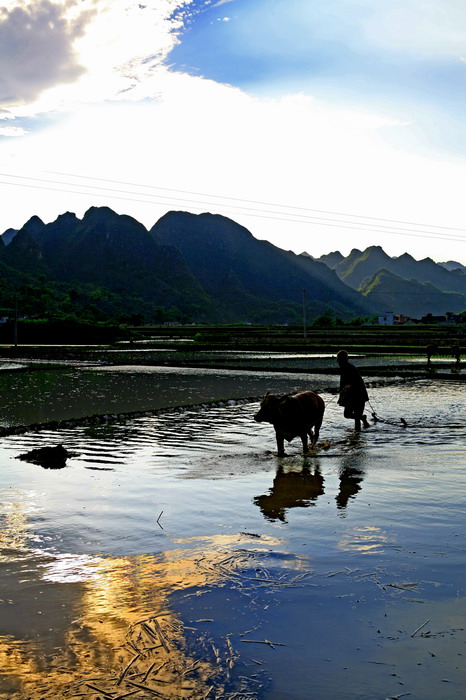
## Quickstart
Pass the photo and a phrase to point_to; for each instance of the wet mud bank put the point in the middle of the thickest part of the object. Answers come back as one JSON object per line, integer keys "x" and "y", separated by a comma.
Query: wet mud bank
{"x": 105, "y": 418}
{"x": 68, "y": 397}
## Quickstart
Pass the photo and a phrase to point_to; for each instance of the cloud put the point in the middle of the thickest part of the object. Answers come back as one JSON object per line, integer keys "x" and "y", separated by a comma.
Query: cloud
{"x": 423, "y": 27}
{"x": 12, "y": 131}
{"x": 201, "y": 136}
{"x": 37, "y": 53}
{"x": 55, "y": 56}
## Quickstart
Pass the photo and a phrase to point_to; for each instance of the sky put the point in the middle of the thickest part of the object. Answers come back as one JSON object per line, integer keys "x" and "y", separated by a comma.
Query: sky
{"x": 320, "y": 125}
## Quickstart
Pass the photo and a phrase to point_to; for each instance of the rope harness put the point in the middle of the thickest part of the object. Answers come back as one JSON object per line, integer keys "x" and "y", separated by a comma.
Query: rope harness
{"x": 377, "y": 419}
{"x": 404, "y": 424}
{"x": 401, "y": 423}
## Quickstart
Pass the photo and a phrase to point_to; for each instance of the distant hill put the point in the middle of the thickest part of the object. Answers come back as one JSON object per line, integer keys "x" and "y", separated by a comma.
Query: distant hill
{"x": 32, "y": 226}
{"x": 8, "y": 236}
{"x": 202, "y": 268}
{"x": 453, "y": 265}
{"x": 360, "y": 270}
{"x": 248, "y": 276}
{"x": 331, "y": 259}
{"x": 409, "y": 297}
{"x": 359, "y": 265}
{"x": 205, "y": 268}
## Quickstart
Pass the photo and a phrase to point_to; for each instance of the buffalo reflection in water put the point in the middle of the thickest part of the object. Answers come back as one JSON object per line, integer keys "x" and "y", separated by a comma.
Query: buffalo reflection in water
{"x": 291, "y": 490}
{"x": 300, "y": 489}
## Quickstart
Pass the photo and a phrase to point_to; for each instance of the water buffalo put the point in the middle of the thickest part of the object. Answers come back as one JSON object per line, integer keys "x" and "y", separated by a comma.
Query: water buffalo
{"x": 292, "y": 416}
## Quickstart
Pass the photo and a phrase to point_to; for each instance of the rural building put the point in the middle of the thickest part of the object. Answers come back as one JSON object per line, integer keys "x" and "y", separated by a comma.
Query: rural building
{"x": 389, "y": 319}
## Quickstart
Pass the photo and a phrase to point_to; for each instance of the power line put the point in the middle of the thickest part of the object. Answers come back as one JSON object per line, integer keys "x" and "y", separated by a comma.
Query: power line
{"x": 253, "y": 201}
{"x": 251, "y": 212}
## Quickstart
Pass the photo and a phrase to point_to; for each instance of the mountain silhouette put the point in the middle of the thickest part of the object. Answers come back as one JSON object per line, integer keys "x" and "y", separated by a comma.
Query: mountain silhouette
{"x": 238, "y": 269}
{"x": 453, "y": 265}
{"x": 359, "y": 266}
{"x": 206, "y": 267}
{"x": 410, "y": 297}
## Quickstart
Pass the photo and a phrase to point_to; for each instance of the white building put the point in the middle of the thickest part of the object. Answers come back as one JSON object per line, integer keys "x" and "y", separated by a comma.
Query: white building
{"x": 388, "y": 319}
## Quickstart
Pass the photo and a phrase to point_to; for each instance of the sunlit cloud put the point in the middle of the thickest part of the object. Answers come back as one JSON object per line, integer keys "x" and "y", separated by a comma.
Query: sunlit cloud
{"x": 428, "y": 27}
{"x": 108, "y": 97}
{"x": 108, "y": 51}
{"x": 12, "y": 131}
{"x": 37, "y": 48}
{"x": 221, "y": 2}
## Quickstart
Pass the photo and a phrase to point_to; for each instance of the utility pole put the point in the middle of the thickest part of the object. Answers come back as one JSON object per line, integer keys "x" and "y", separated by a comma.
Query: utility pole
{"x": 15, "y": 323}
{"x": 304, "y": 314}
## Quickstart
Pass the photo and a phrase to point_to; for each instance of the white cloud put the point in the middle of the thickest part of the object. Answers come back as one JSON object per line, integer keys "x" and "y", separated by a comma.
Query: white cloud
{"x": 428, "y": 27}
{"x": 205, "y": 137}
{"x": 416, "y": 28}
{"x": 108, "y": 51}
{"x": 12, "y": 131}
{"x": 129, "y": 118}
{"x": 36, "y": 41}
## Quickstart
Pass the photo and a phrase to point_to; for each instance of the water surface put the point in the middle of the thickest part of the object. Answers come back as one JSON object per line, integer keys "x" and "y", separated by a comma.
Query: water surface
{"x": 176, "y": 552}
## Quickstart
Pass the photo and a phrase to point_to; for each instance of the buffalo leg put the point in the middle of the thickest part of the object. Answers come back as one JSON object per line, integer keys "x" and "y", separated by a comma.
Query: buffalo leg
{"x": 280, "y": 443}
{"x": 317, "y": 427}
{"x": 304, "y": 441}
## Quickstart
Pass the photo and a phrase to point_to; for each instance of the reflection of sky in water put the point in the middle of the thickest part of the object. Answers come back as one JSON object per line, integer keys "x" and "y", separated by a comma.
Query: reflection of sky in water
{"x": 186, "y": 511}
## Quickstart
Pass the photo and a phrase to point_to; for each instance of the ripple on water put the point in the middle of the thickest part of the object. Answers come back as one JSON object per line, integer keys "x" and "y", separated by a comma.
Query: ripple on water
{"x": 193, "y": 512}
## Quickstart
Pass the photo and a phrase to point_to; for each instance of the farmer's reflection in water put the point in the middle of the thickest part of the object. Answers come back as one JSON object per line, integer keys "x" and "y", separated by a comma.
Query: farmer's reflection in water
{"x": 291, "y": 489}
{"x": 351, "y": 476}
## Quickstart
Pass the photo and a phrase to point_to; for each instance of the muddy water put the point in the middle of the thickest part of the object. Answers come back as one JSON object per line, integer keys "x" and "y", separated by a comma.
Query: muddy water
{"x": 176, "y": 555}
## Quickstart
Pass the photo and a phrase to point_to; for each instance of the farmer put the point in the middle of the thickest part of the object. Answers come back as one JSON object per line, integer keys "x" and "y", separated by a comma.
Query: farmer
{"x": 353, "y": 394}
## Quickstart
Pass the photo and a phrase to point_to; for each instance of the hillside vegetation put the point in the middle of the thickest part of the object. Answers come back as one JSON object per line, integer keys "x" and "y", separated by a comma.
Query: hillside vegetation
{"x": 107, "y": 268}
{"x": 191, "y": 268}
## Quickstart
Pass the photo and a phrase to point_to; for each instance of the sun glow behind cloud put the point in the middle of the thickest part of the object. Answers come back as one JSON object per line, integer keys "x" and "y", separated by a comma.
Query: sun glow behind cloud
{"x": 116, "y": 109}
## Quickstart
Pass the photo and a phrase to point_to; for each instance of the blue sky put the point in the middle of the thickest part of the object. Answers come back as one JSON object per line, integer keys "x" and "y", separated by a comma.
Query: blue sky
{"x": 325, "y": 48}
{"x": 318, "y": 124}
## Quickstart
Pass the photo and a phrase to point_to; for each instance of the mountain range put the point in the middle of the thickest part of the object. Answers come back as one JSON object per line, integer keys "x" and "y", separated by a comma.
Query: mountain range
{"x": 192, "y": 267}
{"x": 402, "y": 284}
{"x": 205, "y": 268}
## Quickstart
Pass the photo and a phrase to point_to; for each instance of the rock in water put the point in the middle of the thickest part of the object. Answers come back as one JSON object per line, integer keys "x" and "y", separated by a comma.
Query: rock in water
{"x": 47, "y": 457}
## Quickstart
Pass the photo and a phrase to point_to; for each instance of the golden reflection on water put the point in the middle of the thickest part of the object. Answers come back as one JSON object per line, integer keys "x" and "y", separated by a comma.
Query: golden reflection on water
{"x": 220, "y": 541}
{"x": 14, "y": 526}
{"x": 110, "y": 598}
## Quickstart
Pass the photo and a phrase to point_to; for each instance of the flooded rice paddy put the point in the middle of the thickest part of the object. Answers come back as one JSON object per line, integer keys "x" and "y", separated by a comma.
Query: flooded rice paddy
{"x": 176, "y": 556}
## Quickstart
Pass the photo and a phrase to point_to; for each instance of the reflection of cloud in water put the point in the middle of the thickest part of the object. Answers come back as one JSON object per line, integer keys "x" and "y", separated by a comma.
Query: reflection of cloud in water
{"x": 117, "y": 593}
{"x": 65, "y": 617}
{"x": 120, "y": 606}
{"x": 15, "y": 535}
{"x": 365, "y": 540}
{"x": 220, "y": 541}
{"x": 70, "y": 568}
